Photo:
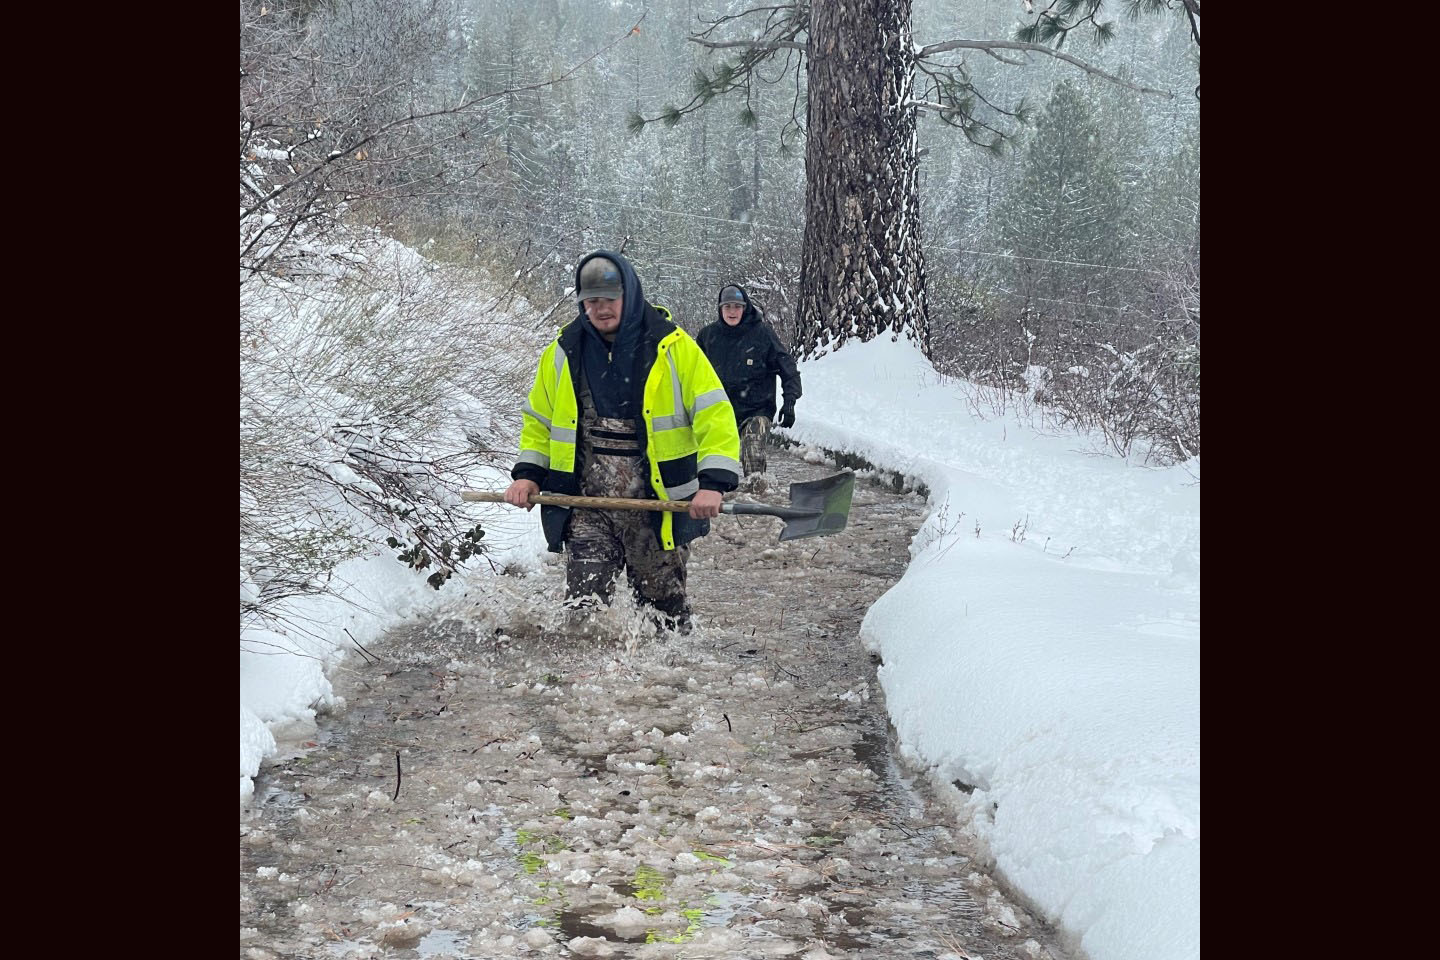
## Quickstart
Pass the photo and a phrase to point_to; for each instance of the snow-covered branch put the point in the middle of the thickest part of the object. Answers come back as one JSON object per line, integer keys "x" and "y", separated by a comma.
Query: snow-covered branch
{"x": 990, "y": 46}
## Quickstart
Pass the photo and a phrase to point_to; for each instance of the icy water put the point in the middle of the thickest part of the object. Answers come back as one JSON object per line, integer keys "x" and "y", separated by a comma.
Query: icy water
{"x": 606, "y": 792}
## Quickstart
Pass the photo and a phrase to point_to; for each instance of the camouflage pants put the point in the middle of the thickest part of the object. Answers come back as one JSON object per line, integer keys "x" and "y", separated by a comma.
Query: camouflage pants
{"x": 600, "y": 544}
{"x": 753, "y": 434}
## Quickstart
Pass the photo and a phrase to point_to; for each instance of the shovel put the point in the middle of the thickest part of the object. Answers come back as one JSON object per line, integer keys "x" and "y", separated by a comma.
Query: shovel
{"x": 817, "y": 508}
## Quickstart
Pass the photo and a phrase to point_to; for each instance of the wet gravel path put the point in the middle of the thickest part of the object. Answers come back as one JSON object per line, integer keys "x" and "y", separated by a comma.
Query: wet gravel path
{"x": 610, "y": 793}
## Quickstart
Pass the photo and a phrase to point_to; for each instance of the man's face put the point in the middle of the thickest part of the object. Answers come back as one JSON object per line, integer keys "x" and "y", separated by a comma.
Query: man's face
{"x": 605, "y": 314}
{"x": 732, "y": 312}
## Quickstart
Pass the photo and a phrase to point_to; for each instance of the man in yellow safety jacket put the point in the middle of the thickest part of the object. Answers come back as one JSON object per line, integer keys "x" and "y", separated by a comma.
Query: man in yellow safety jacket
{"x": 625, "y": 404}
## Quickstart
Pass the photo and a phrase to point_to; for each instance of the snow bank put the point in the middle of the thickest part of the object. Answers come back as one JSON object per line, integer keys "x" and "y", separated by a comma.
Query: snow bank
{"x": 1047, "y": 661}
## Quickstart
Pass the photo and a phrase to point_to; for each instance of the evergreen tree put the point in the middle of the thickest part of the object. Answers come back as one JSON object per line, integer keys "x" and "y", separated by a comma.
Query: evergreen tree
{"x": 1070, "y": 204}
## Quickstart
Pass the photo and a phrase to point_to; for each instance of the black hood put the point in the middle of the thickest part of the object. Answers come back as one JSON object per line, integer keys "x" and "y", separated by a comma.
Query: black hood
{"x": 613, "y": 368}
{"x": 747, "y": 319}
{"x": 634, "y": 296}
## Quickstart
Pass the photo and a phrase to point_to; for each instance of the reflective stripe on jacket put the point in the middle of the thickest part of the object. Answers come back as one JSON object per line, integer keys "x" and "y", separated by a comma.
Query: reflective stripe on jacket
{"x": 690, "y": 430}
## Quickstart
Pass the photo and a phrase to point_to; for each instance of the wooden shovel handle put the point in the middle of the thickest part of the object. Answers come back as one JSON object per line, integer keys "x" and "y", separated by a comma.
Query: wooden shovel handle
{"x": 596, "y": 503}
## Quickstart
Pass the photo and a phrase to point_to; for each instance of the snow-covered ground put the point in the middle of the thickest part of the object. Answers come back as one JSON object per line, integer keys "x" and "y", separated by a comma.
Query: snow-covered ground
{"x": 1042, "y": 649}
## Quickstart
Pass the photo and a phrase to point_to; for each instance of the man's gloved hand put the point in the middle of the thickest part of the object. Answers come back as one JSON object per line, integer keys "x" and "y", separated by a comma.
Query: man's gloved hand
{"x": 787, "y": 414}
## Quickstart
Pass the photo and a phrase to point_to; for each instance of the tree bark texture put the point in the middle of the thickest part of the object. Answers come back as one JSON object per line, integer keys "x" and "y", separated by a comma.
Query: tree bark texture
{"x": 863, "y": 268}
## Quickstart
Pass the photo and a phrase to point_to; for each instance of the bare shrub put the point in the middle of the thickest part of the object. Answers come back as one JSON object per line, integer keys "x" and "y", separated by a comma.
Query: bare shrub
{"x": 368, "y": 374}
{"x": 1130, "y": 374}
{"x": 365, "y": 398}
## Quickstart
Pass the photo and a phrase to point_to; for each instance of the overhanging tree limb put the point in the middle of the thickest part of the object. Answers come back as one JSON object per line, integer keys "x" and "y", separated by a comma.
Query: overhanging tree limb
{"x": 754, "y": 44}
{"x": 989, "y": 46}
{"x": 1192, "y": 12}
{"x": 1051, "y": 24}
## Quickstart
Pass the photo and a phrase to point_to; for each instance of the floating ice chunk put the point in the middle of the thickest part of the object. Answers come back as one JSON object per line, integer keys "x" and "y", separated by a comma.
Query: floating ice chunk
{"x": 726, "y": 880}
{"x": 813, "y": 907}
{"x": 754, "y": 869}
{"x": 378, "y": 913}
{"x": 865, "y": 841}
{"x": 719, "y": 942}
{"x": 405, "y": 935}
{"x": 711, "y": 770}
{"x": 779, "y": 908}
{"x": 800, "y": 877}
{"x": 627, "y": 922}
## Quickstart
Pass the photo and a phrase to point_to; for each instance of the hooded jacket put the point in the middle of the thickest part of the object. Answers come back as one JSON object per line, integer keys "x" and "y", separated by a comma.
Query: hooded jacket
{"x": 690, "y": 436}
{"x": 748, "y": 357}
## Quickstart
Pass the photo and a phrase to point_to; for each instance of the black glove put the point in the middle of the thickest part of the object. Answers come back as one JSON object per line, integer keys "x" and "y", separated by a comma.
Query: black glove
{"x": 787, "y": 414}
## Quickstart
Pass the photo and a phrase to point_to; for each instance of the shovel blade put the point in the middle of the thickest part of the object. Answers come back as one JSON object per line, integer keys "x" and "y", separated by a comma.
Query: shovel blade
{"x": 829, "y": 497}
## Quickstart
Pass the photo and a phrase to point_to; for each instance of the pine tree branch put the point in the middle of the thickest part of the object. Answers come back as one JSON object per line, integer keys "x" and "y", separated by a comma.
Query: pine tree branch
{"x": 948, "y": 111}
{"x": 988, "y": 45}
{"x": 1192, "y": 12}
{"x": 746, "y": 13}
{"x": 729, "y": 78}
{"x": 754, "y": 44}
{"x": 788, "y": 12}
{"x": 1013, "y": 63}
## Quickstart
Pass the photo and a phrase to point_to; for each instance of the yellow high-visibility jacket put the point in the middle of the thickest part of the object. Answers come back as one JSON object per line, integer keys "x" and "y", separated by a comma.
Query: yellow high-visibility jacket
{"x": 690, "y": 437}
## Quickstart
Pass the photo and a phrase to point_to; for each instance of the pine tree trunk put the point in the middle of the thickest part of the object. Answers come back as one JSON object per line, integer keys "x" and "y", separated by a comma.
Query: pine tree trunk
{"x": 755, "y": 174}
{"x": 863, "y": 268}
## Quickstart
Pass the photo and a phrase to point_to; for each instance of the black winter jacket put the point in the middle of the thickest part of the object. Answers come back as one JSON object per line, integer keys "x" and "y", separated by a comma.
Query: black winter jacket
{"x": 748, "y": 357}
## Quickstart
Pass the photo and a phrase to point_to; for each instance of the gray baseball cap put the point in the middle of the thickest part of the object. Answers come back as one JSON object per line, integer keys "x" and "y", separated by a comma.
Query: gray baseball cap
{"x": 600, "y": 277}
